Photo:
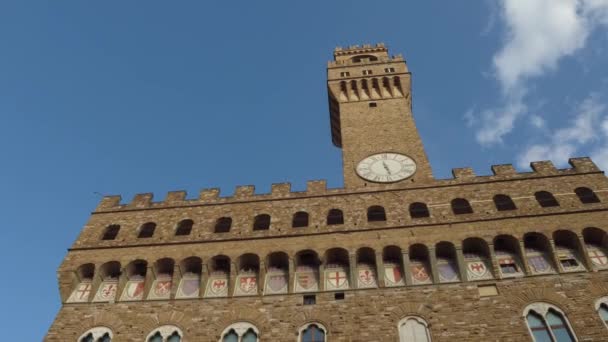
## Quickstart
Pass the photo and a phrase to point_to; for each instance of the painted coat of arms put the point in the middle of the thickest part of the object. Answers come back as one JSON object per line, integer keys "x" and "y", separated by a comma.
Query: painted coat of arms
{"x": 189, "y": 286}
{"x": 306, "y": 279}
{"x": 336, "y": 278}
{"x": 447, "y": 271}
{"x": 246, "y": 285}
{"x": 366, "y": 276}
{"x": 134, "y": 290}
{"x": 107, "y": 291}
{"x": 81, "y": 293}
{"x": 597, "y": 256}
{"x": 420, "y": 273}
{"x": 392, "y": 274}
{"x": 217, "y": 285}
{"x": 538, "y": 263}
{"x": 276, "y": 282}
{"x": 477, "y": 269}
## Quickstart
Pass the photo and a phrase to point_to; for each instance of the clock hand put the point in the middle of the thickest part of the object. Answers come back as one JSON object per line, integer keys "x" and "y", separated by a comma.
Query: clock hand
{"x": 386, "y": 168}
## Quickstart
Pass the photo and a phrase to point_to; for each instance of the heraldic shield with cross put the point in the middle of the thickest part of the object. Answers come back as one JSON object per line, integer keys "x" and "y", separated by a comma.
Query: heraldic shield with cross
{"x": 81, "y": 293}
{"x": 217, "y": 285}
{"x": 597, "y": 256}
{"x": 336, "y": 277}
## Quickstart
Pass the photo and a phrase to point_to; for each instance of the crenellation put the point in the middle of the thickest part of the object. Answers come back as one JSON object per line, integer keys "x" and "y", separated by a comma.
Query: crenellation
{"x": 280, "y": 190}
{"x": 316, "y": 187}
{"x": 583, "y": 164}
{"x": 175, "y": 197}
{"x": 141, "y": 200}
{"x": 109, "y": 202}
{"x": 544, "y": 167}
{"x": 209, "y": 195}
{"x": 463, "y": 173}
{"x": 504, "y": 170}
{"x": 244, "y": 192}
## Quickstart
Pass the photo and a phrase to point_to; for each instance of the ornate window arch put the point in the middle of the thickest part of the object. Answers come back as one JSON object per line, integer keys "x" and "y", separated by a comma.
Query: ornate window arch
{"x": 312, "y": 332}
{"x": 601, "y": 306}
{"x": 413, "y": 329}
{"x": 97, "y": 334}
{"x": 165, "y": 333}
{"x": 240, "y": 332}
{"x": 547, "y": 322}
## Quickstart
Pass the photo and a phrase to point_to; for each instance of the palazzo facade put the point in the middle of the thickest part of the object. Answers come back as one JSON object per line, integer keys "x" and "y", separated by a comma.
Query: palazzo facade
{"x": 394, "y": 255}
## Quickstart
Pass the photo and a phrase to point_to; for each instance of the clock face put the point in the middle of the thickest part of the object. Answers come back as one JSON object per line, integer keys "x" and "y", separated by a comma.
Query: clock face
{"x": 386, "y": 167}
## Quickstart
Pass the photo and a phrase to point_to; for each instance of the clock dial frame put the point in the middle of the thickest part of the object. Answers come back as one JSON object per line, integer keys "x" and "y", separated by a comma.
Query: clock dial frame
{"x": 387, "y": 167}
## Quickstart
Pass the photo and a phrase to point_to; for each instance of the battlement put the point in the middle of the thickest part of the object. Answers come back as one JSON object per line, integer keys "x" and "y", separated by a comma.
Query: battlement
{"x": 319, "y": 187}
{"x": 356, "y": 55}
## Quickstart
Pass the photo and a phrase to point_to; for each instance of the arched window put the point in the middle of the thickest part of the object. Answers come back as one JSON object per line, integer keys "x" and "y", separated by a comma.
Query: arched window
{"x": 596, "y": 242}
{"x": 586, "y": 195}
{"x": 312, "y": 332}
{"x": 601, "y": 305}
{"x": 300, "y": 219}
{"x": 136, "y": 281}
{"x": 109, "y": 273}
{"x": 241, "y": 332}
{"x": 277, "y": 273}
{"x": 393, "y": 266}
{"x": 165, "y": 333}
{"x": 568, "y": 251}
{"x": 504, "y": 203}
{"x": 376, "y": 213}
{"x": 461, "y": 206}
{"x": 506, "y": 249}
{"x": 447, "y": 267}
{"x": 261, "y": 222}
{"x": 223, "y": 225}
{"x": 306, "y": 278}
{"x": 366, "y": 268}
{"x": 538, "y": 252}
{"x": 548, "y": 323}
{"x": 97, "y": 334}
{"x": 184, "y": 227}
{"x": 163, "y": 279}
{"x": 248, "y": 266}
{"x": 217, "y": 283}
{"x": 337, "y": 269}
{"x": 111, "y": 232}
{"x": 189, "y": 285}
{"x": 477, "y": 259}
{"x": 335, "y": 216}
{"x": 413, "y": 329}
{"x": 546, "y": 199}
{"x": 420, "y": 270}
{"x": 147, "y": 230}
{"x": 419, "y": 210}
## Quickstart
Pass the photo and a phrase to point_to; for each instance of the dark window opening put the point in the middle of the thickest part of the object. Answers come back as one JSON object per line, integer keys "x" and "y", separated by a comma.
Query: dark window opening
{"x": 300, "y": 219}
{"x": 503, "y": 203}
{"x": 461, "y": 206}
{"x": 223, "y": 225}
{"x": 335, "y": 216}
{"x": 111, "y": 232}
{"x": 261, "y": 222}
{"x": 419, "y": 210}
{"x": 339, "y": 296}
{"x": 546, "y": 199}
{"x": 586, "y": 195}
{"x": 184, "y": 227}
{"x": 373, "y": 104}
{"x": 309, "y": 300}
{"x": 147, "y": 230}
{"x": 376, "y": 214}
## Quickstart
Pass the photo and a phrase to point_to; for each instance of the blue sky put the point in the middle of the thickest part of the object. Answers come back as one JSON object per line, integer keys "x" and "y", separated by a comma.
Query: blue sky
{"x": 150, "y": 96}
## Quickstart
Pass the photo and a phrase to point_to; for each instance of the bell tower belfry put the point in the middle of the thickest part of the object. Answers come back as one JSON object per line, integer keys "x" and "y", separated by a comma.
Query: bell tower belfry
{"x": 370, "y": 107}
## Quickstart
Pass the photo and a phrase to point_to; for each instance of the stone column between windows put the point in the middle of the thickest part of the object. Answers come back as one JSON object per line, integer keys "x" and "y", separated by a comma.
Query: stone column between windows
{"x": 175, "y": 278}
{"x": 232, "y": 279}
{"x": 322, "y": 276}
{"x": 583, "y": 250}
{"x": 150, "y": 276}
{"x": 433, "y": 265}
{"x": 554, "y": 258}
{"x": 291, "y": 273}
{"x": 204, "y": 280}
{"x": 380, "y": 269}
{"x": 95, "y": 283}
{"x": 462, "y": 266}
{"x": 405, "y": 263}
{"x": 123, "y": 278}
{"x": 524, "y": 259}
{"x": 493, "y": 262}
{"x": 353, "y": 273}
{"x": 261, "y": 278}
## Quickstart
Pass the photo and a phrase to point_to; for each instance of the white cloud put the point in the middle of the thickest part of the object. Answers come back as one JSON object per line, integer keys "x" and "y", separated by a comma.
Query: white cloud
{"x": 539, "y": 33}
{"x": 589, "y": 126}
{"x": 537, "y": 121}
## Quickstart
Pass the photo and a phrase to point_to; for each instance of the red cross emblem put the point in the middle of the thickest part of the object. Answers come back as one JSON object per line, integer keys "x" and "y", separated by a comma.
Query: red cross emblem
{"x": 83, "y": 291}
{"x": 337, "y": 278}
{"x": 598, "y": 258}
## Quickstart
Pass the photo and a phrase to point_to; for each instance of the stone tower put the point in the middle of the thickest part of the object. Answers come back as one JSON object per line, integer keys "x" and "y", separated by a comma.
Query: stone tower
{"x": 395, "y": 255}
{"x": 370, "y": 105}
